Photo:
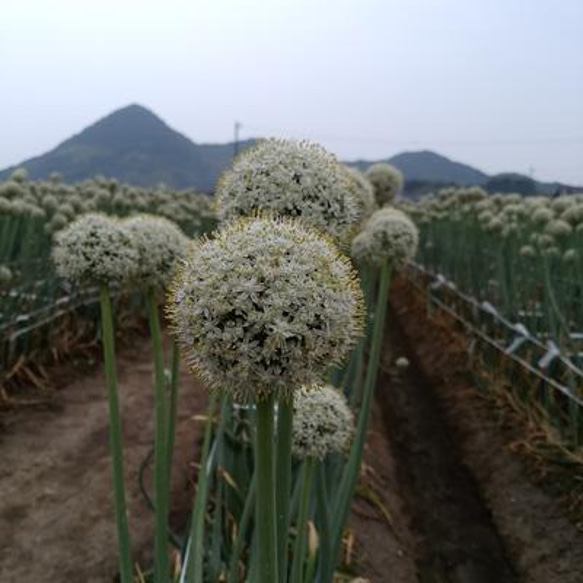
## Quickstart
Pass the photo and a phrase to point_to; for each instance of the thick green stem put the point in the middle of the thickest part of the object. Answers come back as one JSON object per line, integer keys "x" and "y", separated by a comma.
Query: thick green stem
{"x": 195, "y": 558}
{"x": 172, "y": 409}
{"x": 323, "y": 517}
{"x": 354, "y": 388}
{"x": 161, "y": 563}
{"x": 265, "y": 507}
{"x": 350, "y": 475}
{"x": 123, "y": 531}
{"x": 283, "y": 492}
{"x": 297, "y": 575}
{"x": 242, "y": 531}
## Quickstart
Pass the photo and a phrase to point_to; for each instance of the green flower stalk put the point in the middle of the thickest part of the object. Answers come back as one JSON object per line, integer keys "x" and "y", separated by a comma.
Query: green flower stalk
{"x": 160, "y": 245}
{"x": 194, "y": 561}
{"x": 283, "y": 481}
{"x": 96, "y": 248}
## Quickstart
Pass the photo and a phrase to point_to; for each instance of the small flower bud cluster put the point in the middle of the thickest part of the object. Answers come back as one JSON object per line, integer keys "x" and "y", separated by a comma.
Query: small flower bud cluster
{"x": 389, "y": 235}
{"x": 323, "y": 423}
{"x": 387, "y": 182}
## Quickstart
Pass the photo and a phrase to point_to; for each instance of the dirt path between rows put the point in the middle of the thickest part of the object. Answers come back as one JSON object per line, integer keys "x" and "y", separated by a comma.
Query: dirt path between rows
{"x": 468, "y": 495}
{"x": 455, "y": 539}
{"x": 56, "y": 505}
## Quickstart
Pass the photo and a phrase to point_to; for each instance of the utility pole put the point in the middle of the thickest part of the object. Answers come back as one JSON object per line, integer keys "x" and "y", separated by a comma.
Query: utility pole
{"x": 238, "y": 126}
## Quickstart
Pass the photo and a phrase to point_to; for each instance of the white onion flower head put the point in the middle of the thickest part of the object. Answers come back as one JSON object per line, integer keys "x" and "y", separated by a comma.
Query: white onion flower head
{"x": 573, "y": 215}
{"x": 265, "y": 307}
{"x": 293, "y": 179}
{"x": 542, "y": 215}
{"x": 5, "y": 275}
{"x": 161, "y": 246}
{"x": 402, "y": 363}
{"x": 571, "y": 256}
{"x": 390, "y": 235}
{"x": 95, "y": 247}
{"x": 552, "y": 253}
{"x": 323, "y": 423}
{"x": 495, "y": 226}
{"x": 527, "y": 251}
{"x": 387, "y": 182}
{"x": 363, "y": 191}
{"x": 559, "y": 228}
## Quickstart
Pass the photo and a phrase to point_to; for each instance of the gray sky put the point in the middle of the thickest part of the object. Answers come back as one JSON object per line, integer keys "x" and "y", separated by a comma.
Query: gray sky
{"x": 493, "y": 83}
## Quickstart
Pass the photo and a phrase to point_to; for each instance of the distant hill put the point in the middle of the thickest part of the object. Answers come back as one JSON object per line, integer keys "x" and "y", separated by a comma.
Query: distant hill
{"x": 134, "y": 145}
{"x": 431, "y": 167}
{"x": 424, "y": 171}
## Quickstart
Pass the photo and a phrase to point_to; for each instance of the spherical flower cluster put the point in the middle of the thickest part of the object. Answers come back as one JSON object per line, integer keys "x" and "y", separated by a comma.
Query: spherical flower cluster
{"x": 160, "y": 245}
{"x": 527, "y": 252}
{"x": 552, "y": 253}
{"x": 362, "y": 190}
{"x": 95, "y": 247}
{"x": 573, "y": 215}
{"x": 389, "y": 234}
{"x": 322, "y": 424}
{"x": 496, "y": 225}
{"x": 542, "y": 215}
{"x": 288, "y": 178}
{"x": 571, "y": 256}
{"x": 57, "y": 222}
{"x": 265, "y": 307}
{"x": 402, "y": 363}
{"x": 558, "y": 228}
{"x": 5, "y": 275}
{"x": 387, "y": 182}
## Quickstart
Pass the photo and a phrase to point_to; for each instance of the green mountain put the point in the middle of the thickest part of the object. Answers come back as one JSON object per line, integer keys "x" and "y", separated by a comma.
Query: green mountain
{"x": 134, "y": 145}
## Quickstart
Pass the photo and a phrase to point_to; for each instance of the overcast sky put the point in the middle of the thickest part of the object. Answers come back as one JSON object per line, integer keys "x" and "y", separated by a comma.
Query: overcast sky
{"x": 494, "y": 83}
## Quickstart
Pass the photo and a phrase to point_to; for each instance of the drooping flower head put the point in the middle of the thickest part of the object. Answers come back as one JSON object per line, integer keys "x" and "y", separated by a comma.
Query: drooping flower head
{"x": 322, "y": 424}
{"x": 293, "y": 179}
{"x": 387, "y": 182}
{"x": 95, "y": 247}
{"x": 160, "y": 244}
{"x": 265, "y": 307}
{"x": 390, "y": 235}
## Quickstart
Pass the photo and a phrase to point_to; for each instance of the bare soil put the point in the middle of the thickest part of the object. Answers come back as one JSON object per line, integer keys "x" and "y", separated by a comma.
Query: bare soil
{"x": 56, "y": 505}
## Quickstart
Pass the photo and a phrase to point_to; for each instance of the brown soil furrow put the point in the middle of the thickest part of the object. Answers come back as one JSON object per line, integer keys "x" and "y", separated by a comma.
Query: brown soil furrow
{"x": 455, "y": 538}
{"x": 542, "y": 543}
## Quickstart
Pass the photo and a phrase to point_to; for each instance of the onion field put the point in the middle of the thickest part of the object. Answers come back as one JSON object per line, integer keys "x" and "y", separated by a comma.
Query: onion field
{"x": 304, "y": 378}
